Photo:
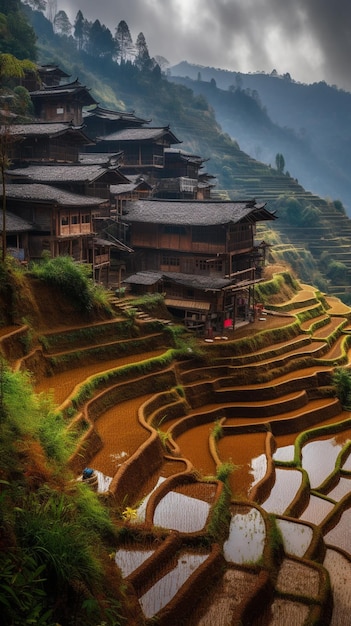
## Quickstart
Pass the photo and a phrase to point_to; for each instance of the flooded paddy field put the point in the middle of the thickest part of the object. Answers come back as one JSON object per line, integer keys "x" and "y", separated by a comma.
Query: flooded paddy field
{"x": 176, "y": 464}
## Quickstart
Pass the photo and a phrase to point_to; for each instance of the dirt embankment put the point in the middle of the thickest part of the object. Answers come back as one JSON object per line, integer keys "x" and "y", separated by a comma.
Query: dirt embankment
{"x": 25, "y": 299}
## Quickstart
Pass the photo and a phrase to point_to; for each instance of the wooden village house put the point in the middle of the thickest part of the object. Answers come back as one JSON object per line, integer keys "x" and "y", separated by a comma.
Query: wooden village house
{"x": 61, "y": 222}
{"x": 143, "y": 149}
{"x": 85, "y": 182}
{"x": 61, "y": 103}
{"x": 202, "y": 255}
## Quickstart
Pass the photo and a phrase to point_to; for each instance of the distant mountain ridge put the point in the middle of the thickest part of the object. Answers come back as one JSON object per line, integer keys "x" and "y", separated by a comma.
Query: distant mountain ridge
{"x": 266, "y": 114}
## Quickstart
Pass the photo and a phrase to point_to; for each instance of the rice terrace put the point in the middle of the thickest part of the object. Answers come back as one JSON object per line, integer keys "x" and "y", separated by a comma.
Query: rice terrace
{"x": 226, "y": 462}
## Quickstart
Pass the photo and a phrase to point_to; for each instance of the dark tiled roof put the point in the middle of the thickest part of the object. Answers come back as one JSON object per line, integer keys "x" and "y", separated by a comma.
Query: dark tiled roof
{"x": 52, "y": 69}
{"x": 143, "y": 278}
{"x": 101, "y": 158}
{"x": 203, "y": 283}
{"x": 45, "y": 129}
{"x": 75, "y": 88}
{"x": 14, "y": 224}
{"x": 120, "y": 189}
{"x": 141, "y": 134}
{"x": 113, "y": 115}
{"x": 131, "y": 186}
{"x": 62, "y": 173}
{"x": 194, "y": 213}
{"x": 196, "y": 281}
{"x": 173, "y": 153}
{"x": 50, "y": 195}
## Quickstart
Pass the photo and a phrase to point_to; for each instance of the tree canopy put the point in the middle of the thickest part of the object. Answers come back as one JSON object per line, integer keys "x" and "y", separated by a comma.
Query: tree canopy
{"x": 17, "y": 36}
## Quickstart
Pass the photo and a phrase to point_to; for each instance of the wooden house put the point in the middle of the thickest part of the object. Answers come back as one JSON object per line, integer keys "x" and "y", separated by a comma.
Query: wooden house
{"x": 201, "y": 254}
{"x": 61, "y": 222}
{"x": 46, "y": 142}
{"x": 17, "y": 235}
{"x": 89, "y": 180}
{"x": 61, "y": 103}
{"x": 102, "y": 122}
{"x": 143, "y": 149}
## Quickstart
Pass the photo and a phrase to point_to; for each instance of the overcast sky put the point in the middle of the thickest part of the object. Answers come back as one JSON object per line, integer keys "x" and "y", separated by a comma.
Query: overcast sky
{"x": 310, "y": 39}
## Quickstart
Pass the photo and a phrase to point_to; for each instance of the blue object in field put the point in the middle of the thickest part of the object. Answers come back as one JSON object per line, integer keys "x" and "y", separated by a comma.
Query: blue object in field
{"x": 87, "y": 472}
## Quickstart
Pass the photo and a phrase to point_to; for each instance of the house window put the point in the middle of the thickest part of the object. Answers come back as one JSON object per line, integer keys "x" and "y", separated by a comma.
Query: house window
{"x": 86, "y": 219}
{"x": 201, "y": 265}
{"x": 215, "y": 266}
{"x": 74, "y": 219}
{"x": 59, "y": 110}
{"x": 204, "y": 265}
{"x": 64, "y": 220}
{"x": 170, "y": 260}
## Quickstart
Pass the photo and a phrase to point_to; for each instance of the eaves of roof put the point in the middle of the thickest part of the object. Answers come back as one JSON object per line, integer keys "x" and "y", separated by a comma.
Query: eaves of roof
{"x": 194, "y": 213}
{"x": 140, "y": 134}
{"x": 52, "y": 174}
{"x": 102, "y": 113}
{"x": 47, "y": 194}
{"x": 14, "y": 223}
{"x": 195, "y": 281}
{"x": 48, "y": 129}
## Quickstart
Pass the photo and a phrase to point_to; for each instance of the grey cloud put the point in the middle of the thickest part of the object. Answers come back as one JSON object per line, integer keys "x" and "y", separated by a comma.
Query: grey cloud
{"x": 310, "y": 39}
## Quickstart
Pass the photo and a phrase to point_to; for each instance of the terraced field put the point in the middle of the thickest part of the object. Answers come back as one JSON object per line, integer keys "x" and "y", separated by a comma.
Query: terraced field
{"x": 228, "y": 462}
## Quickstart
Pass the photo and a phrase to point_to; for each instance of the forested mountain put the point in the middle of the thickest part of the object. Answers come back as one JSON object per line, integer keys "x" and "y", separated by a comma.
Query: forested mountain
{"x": 266, "y": 114}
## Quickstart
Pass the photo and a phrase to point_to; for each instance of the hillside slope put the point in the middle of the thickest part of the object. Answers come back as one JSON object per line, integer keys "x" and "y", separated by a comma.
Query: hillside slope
{"x": 309, "y": 124}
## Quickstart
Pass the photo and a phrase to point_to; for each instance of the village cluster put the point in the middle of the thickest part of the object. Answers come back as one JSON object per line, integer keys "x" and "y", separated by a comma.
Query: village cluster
{"x": 109, "y": 189}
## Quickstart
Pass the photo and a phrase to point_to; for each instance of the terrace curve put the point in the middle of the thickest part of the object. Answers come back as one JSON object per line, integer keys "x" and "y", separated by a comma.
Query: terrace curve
{"x": 278, "y": 385}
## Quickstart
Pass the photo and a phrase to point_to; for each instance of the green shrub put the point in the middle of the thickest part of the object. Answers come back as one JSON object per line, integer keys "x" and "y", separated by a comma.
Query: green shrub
{"x": 217, "y": 431}
{"x": 73, "y": 279}
{"x": 342, "y": 382}
{"x": 224, "y": 470}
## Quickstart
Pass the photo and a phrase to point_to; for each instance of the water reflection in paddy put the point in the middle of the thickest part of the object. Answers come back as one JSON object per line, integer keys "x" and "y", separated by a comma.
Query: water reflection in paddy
{"x": 141, "y": 510}
{"x": 129, "y": 559}
{"x": 341, "y": 489}
{"x": 285, "y": 453}
{"x": 182, "y": 513}
{"x": 241, "y": 450}
{"x": 103, "y": 482}
{"x": 258, "y": 468}
{"x": 296, "y": 537}
{"x": 317, "y": 510}
{"x": 247, "y": 534}
{"x": 162, "y": 592}
{"x": 340, "y": 535}
{"x": 326, "y": 449}
{"x": 286, "y": 486}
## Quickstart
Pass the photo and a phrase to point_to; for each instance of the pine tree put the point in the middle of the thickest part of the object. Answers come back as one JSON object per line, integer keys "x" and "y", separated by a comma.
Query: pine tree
{"x": 79, "y": 30}
{"x": 142, "y": 59}
{"x": 62, "y": 25}
{"x": 101, "y": 42}
{"x": 125, "y": 43}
